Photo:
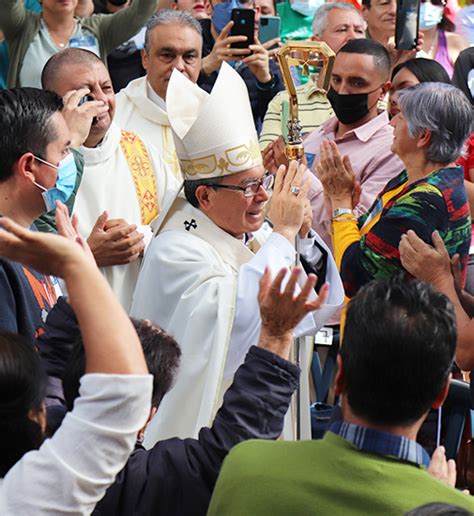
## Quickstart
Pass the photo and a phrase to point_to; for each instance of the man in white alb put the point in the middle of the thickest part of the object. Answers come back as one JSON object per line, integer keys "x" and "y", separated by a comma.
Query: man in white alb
{"x": 200, "y": 276}
{"x": 125, "y": 181}
{"x": 173, "y": 40}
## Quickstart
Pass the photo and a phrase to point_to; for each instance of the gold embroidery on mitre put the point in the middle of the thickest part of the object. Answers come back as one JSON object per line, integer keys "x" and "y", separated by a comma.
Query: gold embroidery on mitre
{"x": 226, "y": 162}
{"x": 199, "y": 167}
{"x": 244, "y": 154}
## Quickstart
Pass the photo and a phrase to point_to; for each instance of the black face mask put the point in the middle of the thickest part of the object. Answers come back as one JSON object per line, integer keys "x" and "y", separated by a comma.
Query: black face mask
{"x": 349, "y": 108}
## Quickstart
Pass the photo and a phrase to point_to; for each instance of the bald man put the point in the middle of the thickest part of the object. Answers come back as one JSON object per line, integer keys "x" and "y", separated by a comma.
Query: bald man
{"x": 125, "y": 181}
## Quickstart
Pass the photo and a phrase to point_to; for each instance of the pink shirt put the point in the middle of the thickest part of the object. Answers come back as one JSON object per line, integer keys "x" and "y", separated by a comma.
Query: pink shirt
{"x": 372, "y": 161}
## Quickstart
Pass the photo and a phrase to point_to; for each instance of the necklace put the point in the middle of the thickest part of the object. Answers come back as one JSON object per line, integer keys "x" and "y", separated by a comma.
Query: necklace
{"x": 61, "y": 42}
{"x": 431, "y": 51}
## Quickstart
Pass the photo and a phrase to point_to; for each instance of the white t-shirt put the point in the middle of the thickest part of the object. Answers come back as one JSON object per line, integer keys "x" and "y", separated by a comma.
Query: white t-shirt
{"x": 71, "y": 471}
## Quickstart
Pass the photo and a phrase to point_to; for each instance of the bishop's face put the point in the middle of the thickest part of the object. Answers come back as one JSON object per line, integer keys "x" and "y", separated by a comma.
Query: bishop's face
{"x": 231, "y": 210}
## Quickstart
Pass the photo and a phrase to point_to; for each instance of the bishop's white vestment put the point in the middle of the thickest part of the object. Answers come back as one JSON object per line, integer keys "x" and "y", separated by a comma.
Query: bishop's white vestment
{"x": 141, "y": 110}
{"x": 200, "y": 284}
{"x": 108, "y": 184}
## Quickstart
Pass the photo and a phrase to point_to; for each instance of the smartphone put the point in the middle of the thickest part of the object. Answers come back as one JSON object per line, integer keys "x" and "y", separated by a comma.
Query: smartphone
{"x": 244, "y": 25}
{"x": 406, "y": 26}
{"x": 86, "y": 98}
{"x": 268, "y": 28}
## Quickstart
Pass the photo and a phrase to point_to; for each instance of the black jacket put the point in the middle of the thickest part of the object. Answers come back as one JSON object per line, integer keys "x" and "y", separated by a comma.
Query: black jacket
{"x": 177, "y": 476}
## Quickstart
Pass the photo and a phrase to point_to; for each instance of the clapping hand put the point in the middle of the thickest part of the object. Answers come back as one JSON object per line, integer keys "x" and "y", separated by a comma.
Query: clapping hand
{"x": 337, "y": 177}
{"x": 115, "y": 242}
{"x": 69, "y": 227}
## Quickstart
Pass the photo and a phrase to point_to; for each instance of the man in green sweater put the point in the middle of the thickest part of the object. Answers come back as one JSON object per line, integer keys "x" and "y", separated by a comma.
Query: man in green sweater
{"x": 395, "y": 365}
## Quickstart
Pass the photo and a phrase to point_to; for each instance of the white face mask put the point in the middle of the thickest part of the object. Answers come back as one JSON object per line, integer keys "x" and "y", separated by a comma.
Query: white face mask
{"x": 430, "y": 15}
{"x": 306, "y": 7}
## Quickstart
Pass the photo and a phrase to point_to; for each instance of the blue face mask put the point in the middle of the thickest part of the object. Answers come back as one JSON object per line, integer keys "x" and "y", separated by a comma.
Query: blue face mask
{"x": 223, "y": 13}
{"x": 67, "y": 173}
{"x": 430, "y": 15}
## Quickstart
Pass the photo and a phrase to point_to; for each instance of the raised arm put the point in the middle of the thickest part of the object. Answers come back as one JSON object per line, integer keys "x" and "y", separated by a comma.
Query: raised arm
{"x": 12, "y": 18}
{"x": 254, "y": 406}
{"x": 61, "y": 477}
{"x": 115, "y": 29}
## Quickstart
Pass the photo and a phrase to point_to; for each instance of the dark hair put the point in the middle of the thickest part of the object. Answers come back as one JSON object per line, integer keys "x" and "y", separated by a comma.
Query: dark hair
{"x": 462, "y": 67}
{"x": 190, "y": 188}
{"x": 397, "y": 350}
{"x": 369, "y": 47}
{"x": 170, "y": 17}
{"x": 439, "y": 509}
{"x": 425, "y": 70}
{"x": 162, "y": 355}
{"x": 366, "y": 4}
{"x": 446, "y": 24}
{"x": 25, "y": 125}
{"x": 68, "y": 56}
{"x": 22, "y": 389}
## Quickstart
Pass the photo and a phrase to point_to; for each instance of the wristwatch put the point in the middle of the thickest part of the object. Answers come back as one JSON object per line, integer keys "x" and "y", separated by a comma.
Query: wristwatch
{"x": 337, "y": 212}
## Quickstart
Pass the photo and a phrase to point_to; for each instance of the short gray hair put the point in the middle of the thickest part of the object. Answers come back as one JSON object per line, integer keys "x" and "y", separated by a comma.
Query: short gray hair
{"x": 321, "y": 15}
{"x": 444, "y": 110}
{"x": 170, "y": 17}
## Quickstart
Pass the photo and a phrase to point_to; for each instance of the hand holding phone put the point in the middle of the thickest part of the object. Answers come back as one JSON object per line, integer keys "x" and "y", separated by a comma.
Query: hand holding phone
{"x": 406, "y": 27}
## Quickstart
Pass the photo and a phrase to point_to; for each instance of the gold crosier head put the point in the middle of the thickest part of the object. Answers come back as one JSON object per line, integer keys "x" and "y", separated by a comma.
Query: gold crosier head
{"x": 315, "y": 59}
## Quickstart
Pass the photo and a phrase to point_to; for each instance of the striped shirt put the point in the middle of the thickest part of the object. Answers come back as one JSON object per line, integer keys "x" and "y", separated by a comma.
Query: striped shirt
{"x": 374, "y": 441}
{"x": 313, "y": 109}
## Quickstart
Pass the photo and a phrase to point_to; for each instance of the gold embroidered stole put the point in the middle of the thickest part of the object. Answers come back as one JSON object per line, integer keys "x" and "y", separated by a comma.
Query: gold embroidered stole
{"x": 143, "y": 175}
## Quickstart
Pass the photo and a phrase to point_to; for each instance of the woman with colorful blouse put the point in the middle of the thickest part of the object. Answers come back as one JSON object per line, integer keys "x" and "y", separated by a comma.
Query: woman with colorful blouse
{"x": 429, "y": 133}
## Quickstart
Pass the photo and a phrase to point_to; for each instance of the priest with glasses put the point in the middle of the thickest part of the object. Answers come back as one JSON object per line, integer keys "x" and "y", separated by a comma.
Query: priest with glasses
{"x": 200, "y": 275}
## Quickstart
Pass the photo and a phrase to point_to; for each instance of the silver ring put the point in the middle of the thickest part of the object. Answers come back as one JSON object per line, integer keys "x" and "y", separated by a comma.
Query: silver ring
{"x": 295, "y": 190}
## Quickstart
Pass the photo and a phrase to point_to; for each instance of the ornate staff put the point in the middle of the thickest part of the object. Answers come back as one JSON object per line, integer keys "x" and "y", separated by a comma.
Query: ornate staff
{"x": 315, "y": 59}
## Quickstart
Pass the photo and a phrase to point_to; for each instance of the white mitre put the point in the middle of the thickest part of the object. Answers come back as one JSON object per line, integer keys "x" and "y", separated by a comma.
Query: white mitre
{"x": 214, "y": 133}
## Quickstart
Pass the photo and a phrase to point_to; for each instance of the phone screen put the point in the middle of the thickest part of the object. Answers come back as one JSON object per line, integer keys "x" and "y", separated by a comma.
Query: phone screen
{"x": 406, "y": 29}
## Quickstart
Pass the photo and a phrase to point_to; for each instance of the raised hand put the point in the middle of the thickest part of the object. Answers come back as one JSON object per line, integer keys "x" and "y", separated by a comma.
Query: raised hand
{"x": 258, "y": 62}
{"x": 222, "y": 50}
{"x": 79, "y": 117}
{"x": 49, "y": 254}
{"x": 441, "y": 468}
{"x": 281, "y": 310}
{"x": 423, "y": 261}
{"x": 289, "y": 199}
{"x": 336, "y": 175}
{"x": 69, "y": 228}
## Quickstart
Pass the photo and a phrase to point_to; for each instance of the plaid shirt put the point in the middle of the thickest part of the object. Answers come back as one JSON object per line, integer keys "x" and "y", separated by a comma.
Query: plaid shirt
{"x": 381, "y": 443}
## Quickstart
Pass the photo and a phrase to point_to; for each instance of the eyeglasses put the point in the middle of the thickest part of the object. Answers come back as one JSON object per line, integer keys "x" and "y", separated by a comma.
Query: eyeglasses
{"x": 250, "y": 189}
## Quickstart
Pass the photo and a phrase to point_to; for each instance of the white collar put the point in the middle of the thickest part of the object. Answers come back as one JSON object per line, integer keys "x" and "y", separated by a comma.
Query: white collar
{"x": 106, "y": 148}
{"x": 154, "y": 97}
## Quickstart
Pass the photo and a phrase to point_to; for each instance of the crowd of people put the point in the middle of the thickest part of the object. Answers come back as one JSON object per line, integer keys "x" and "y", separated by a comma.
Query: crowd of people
{"x": 181, "y": 302}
